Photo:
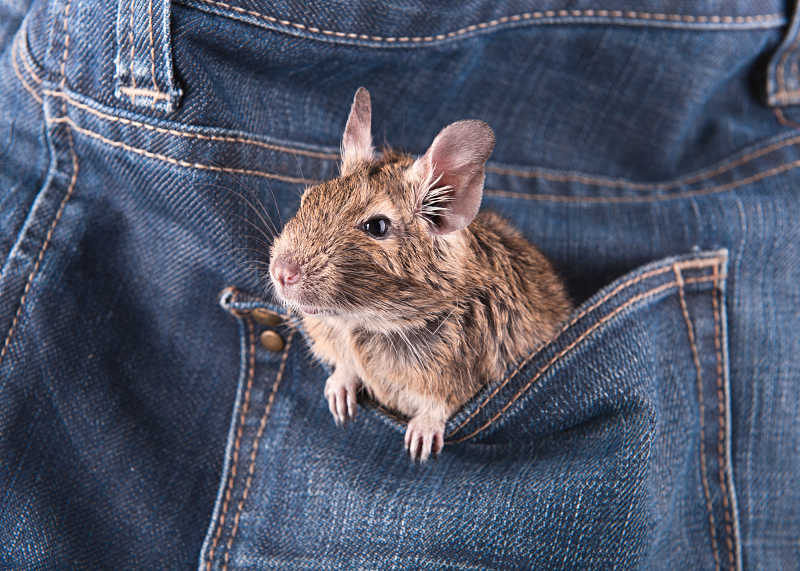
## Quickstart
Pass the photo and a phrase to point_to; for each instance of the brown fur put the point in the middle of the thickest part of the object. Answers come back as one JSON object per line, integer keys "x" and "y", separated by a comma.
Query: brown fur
{"x": 425, "y": 315}
{"x": 420, "y": 316}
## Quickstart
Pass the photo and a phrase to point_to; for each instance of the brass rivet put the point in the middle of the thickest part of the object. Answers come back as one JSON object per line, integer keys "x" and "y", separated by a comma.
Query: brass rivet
{"x": 266, "y": 317}
{"x": 272, "y": 341}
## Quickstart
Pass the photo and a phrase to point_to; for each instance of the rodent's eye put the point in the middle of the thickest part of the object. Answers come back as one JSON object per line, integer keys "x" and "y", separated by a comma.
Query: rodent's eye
{"x": 376, "y": 227}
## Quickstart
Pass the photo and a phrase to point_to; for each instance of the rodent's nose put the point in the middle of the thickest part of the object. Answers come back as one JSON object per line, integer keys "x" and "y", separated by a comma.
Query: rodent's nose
{"x": 286, "y": 272}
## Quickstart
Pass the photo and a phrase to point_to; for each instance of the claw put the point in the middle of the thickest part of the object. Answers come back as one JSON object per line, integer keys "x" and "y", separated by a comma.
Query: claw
{"x": 424, "y": 435}
{"x": 341, "y": 412}
{"x": 341, "y": 390}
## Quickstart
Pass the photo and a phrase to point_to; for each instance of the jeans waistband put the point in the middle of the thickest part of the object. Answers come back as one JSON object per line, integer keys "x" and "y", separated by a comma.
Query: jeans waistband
{"x": 122, "y": 51}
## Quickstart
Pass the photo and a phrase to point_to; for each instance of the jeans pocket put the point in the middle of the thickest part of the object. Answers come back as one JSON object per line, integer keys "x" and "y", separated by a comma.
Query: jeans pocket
{"x": 627, "y": 408}
{"x": 648, "y": 328}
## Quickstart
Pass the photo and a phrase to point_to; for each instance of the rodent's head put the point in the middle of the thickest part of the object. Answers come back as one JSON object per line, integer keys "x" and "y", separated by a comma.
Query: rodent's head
{"x": 383, "y": 240}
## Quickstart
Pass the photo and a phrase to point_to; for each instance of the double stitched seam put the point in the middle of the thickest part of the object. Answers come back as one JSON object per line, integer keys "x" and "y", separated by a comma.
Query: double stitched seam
{"x": 152, "y": 48}
{"x": 61, "y": 206}
{"x": 190, "y": 135}
{"x": 573, "y": 321}
{"x": 25, "y": 57}
{"x": 702, "y": 412}
{"x": 619, "y": 199}
{"x": 629, "y": 185}
{"x": 569, "y": 348}
{"x": 18, "y": 73}
{"x": 585, "y": 179}
{"x": 526, "y": 16}
{"x": 133, "y": 44}
{"x": 179, "y": 162}
{"x": 235, "y": 460}
{"x": 553, "y": 198}
{"x": 723, "y": 481}
{"x": 254, "y": 452}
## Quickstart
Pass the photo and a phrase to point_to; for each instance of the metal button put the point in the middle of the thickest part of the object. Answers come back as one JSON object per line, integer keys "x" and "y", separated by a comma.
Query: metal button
{"x": 266, "y": 317}
{"x": 272, "y": 341}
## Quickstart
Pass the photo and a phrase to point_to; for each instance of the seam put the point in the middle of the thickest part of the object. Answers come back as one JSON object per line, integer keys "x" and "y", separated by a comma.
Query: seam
{"x": 569, "y": 348}
{"x": 235, "y": 461}
{"x": 585, "y": 179}
{"x": 525, "y": 16}
{"x": 152, "y": 49}
{"x": 65, "y": 55}
{"x": 782, "y": 118}
{"x": 188, "y": 134}
{"x": 133, "y": 44}
{"x": 134, "y": 92}
{"x": 702, "y": 412}
{"x": 18, "y": 73}
{"x": 25, "y": 61}
{"x": 655, "y": 198}
{"x": 722, "y": 426}
{"x": 254, "y": 452}
{"x": 178, "y": 162}
{"x": 61, "y": 206}
{"x": 781, "y": 79}
{"x": 633, "y": 281}
{"x": 611, "y": 183}
{"x": 44, "y": 247}
{"x": 501, "y": 193}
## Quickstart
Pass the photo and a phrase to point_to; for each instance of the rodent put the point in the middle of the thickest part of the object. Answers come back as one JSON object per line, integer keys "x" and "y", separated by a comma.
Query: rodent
{"x": 404, "y": 288}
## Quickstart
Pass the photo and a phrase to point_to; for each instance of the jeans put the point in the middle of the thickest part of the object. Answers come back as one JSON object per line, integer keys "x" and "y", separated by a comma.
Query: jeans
{"x": 155, "y": 410}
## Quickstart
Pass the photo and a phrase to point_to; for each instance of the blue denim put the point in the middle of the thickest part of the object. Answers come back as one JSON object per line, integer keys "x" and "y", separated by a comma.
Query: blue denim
{"x": 146, "y": 149}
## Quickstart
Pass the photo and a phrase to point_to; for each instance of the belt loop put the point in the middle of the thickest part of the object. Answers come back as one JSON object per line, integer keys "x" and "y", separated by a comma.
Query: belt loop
{"x": 783, "y": 74}
{"x": 144, "y": 76}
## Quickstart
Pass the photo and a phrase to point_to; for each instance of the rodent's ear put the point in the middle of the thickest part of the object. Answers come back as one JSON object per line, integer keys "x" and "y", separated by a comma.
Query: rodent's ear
{"x": 357, "y": 138}
{"x": 448, "y": 178}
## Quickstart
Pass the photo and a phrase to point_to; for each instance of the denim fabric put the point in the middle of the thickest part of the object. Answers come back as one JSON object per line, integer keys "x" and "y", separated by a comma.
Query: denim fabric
{"x": 146, "y": 147}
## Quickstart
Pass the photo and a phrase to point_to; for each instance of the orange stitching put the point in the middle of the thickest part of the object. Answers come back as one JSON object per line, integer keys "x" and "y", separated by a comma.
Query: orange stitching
{"x": 574, "y": 320}
{"x": 237, "y": 442}
{"x": 28, "y": 65}
{"x": 785, "y": 95}
{"x": 152, "y": 48}
{"x": 569, "y": 348}
{"x": 254, "y": 451}
{"x": 611, "y": 183}
{"x": 45, "y": 245}
{"x": 181, "y": 163}
{"x": 782, "y": 118}
{"x": 61, "y": 206}
{"x": 612, "y": 199}
{"x": 18, "y": 73}
{"x": 511, "y": 172}
{"x": 66, "y": 45}
{"x": 133, "y": 92}
{"x": 130, "y": 39}
{"x": 217, "y": 138}
{"x": 65, "y": 55}
{"x": 781, "y": 78}
{"x": 546, "y": 14}
{"x": 722, "y": 428}
{"x": 702, "y": 409}
{"x": 501, "y": 193}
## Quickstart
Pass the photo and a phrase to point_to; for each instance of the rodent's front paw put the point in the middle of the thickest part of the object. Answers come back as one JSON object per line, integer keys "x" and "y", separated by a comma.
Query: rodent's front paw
{"x": 341, "y": 391}
{"x": 425, "y": 434}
